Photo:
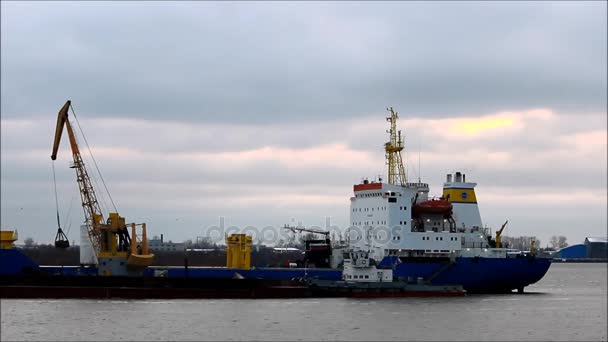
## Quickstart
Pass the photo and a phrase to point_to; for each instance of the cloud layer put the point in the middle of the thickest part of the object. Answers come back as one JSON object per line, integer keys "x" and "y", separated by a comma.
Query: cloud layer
{"x": 275, "y": 61}
{"x": 531, "y": 166}
{"x": 266, "y": 112}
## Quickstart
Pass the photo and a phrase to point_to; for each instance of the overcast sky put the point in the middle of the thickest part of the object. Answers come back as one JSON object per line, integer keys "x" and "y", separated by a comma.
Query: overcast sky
{"x": 267, "y": 113}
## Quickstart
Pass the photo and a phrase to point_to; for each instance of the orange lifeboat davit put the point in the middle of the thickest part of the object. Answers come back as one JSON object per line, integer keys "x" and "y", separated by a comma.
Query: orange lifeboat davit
{"x": 440, "y": 206}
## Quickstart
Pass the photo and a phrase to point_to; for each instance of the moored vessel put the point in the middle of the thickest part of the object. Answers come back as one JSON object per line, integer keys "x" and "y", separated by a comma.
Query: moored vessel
{"x": 411, "y": 244}
{"x": 440, "y": 240}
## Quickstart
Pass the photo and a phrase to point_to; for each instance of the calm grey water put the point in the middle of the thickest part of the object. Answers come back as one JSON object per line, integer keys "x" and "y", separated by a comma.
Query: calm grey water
{"x": 568, "y": 304}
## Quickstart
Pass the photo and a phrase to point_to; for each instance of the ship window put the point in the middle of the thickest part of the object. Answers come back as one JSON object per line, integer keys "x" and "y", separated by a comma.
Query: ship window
{"x": 404, "y": 208}
{"x": 400, "y": 208}
{"x": 366, "y": 276}
{"x": 436, "y": 238}
{"x": 398, "y": 237}
{"x": 441, "y": 238}
{"x": 392, "y": 200}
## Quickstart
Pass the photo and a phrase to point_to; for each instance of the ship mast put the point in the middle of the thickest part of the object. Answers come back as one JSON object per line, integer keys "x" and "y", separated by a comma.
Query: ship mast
{"x": 393, "y": 148}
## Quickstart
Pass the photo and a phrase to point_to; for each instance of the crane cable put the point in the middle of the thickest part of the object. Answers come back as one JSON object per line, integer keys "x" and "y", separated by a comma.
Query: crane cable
{"x": 67, "y": 216}
{"x": 60, "y": 236}
{"x": 93, "y": 158}
{"x": 56, "y": 200}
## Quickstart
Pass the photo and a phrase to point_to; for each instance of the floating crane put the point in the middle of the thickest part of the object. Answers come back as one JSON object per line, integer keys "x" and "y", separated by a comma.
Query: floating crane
{"x": 499, "y": 235}
{"x": 117, "y": 250}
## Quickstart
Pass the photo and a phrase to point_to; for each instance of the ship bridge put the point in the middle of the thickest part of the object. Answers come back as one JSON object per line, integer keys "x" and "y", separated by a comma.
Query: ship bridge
{"x": 381, "y": 222}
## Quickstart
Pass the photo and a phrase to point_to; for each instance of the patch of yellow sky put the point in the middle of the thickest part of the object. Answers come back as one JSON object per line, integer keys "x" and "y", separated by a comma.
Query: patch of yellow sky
{"x": 475, "y": 126}
{"x": 500, "y": 121}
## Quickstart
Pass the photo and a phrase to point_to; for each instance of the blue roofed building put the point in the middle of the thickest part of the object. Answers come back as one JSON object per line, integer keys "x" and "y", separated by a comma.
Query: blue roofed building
{"x": 572, "y": 252}
{"x": 592, "y": 248}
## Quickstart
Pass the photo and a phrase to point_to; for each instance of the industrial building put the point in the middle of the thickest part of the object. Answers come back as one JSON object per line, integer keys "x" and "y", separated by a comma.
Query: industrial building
{"x": 572, "y": 252}
{"x": 592, "y": 248}
{"x": 156, "y": 245}
{"x": 597, "y": 247}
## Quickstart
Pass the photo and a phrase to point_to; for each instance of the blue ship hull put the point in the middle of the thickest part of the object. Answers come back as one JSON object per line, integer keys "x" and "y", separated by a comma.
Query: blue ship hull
{"x": 473, "y": 274}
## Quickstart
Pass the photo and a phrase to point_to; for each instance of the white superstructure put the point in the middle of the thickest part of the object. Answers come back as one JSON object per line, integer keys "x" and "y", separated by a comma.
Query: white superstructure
{"x": 462, "y": 196}
{"x": 399, "y": 219}
{"x": 388, "y": 219}
{"x": 359, "y": 267}
{"x": 381, "y": 223}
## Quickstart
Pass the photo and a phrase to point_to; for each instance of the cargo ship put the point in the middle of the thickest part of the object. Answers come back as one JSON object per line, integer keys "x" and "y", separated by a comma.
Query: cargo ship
{"x": 418, "y": 244}
{"x": 440, "y": 240}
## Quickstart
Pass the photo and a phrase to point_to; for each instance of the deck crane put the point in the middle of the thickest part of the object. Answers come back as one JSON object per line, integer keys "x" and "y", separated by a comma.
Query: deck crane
{"x": 499, "y": 235}
{"x": 118, "y": 251}
{"x": 318, "y": 252}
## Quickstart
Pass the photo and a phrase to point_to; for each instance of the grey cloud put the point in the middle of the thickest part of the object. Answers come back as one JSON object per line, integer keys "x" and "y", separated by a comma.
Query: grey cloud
{"x": 269, "y": 62}
{"x": 240, "y": 76}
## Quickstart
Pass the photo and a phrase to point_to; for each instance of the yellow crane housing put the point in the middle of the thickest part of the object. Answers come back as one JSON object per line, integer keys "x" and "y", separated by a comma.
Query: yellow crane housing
{"x": 238, "y": 251}
{"x": 7, "y": 238}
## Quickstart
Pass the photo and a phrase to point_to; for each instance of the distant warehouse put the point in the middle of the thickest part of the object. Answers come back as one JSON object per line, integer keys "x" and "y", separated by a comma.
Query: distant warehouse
{"x": 160, "y": 245}
{"x": 597, "y": 247}
{"x": 573, "y": 252}
{"x": 593, "y": 248}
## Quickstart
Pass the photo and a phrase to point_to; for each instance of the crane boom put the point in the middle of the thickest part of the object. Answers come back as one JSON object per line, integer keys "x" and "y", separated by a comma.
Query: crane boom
{"x": 302, "y": 229}
{"x": 90, "y": 205}
{"x": 499, "y": 235}
{"x": 503, "y": 227}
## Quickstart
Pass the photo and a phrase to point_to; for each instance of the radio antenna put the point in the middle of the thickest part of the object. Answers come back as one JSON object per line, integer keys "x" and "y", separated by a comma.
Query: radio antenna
{"x": 418, "y": 160}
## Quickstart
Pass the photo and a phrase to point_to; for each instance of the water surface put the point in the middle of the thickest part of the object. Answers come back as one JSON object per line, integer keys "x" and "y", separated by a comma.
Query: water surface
{"x": 568, "y": 304}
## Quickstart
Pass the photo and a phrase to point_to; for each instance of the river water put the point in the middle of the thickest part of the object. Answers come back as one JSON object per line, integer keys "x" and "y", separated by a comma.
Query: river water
{"x": 568, "y": 304}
